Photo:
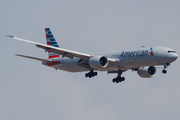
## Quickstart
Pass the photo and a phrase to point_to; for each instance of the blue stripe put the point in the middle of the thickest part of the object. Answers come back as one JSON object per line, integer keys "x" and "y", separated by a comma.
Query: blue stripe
{"x": 53, "y": 42}
{"x": 51, "y": 36}
{"x": 55, "y": 45}
{"x": 52, "y": 39}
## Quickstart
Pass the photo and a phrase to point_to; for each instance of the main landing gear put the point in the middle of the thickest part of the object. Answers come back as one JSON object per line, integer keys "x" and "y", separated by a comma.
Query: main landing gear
{"x": 118, "y": 78}
{"x": 91, "y": 74}
{"x": 115, "y": 80}
{"x": 165, "y": 66}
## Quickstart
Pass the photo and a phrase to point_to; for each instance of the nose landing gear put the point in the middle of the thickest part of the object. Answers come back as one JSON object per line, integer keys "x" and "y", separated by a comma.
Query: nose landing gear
{"x": 164, "y": 71}
{"x": 165, "y": 66}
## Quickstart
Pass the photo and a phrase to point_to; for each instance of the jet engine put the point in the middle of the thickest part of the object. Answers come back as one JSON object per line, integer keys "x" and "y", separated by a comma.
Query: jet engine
{"x": 98, "y": 62}
{"x": 146, "y": 72}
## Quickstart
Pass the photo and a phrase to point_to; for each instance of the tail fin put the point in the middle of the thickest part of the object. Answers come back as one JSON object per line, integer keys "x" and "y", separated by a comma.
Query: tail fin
{"x": 51, "y": 41}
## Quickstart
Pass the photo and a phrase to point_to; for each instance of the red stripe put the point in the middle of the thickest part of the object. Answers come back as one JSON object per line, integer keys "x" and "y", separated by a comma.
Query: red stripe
{"x": 53, "y": 63}
{"x": 47, "y": 36}
{"x": 46, "y": 29}
{"x": 49, "y": 43}
{"x": 152, "y": 53}
{"x": 50, "y": 57}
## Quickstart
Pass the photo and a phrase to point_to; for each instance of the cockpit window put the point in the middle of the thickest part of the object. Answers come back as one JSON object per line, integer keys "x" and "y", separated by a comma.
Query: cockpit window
{"x": 171, "y": 51}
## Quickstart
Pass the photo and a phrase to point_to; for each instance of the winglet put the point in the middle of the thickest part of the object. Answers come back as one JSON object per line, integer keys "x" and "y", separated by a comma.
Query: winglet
{"x": 9, "y": 36}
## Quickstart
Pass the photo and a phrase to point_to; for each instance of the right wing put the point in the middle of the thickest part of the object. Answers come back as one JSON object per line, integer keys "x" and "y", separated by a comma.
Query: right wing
{"x": 64, "y": 52}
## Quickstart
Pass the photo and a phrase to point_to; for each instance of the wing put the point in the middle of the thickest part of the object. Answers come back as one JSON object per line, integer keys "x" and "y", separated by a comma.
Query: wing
{"x": 35, "y": 58}
{"x": 64, "y": 52}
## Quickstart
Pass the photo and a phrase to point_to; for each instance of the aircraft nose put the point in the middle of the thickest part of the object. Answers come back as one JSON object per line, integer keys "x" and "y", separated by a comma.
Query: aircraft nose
{"x": 174, "y": 57}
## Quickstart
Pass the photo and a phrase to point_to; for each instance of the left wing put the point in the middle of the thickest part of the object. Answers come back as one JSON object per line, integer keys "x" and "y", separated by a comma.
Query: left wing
{"x": 35, "y": 58}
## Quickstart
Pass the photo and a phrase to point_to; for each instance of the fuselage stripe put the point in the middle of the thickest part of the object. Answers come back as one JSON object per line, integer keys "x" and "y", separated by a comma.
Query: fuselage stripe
{"x": 55, "y": 56}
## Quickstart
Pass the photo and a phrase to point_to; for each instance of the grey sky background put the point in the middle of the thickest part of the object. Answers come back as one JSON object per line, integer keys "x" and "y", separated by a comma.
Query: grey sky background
{"x": 29, "y": 90}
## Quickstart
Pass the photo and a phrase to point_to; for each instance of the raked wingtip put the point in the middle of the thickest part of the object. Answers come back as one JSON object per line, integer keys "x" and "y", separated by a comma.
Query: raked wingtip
{"x": 10, "y": 36}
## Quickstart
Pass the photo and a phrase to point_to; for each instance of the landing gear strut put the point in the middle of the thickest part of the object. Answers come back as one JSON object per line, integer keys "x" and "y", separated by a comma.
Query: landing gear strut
{"x": 91, "y": 74}
{"x": 118, "y": 78}
{"x": 165, "y": 66}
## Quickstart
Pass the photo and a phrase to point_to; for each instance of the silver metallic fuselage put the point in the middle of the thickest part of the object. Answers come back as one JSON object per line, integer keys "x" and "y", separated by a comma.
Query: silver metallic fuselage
{"x": 128, "y": 59}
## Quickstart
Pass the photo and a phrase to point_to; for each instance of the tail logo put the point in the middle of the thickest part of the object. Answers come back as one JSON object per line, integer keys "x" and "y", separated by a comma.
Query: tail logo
{"x": 51, "y": 41}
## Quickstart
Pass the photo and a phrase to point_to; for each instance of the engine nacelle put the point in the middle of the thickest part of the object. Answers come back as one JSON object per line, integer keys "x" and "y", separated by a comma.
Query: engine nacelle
{"x": 98, "y": 61}
{"x": 147, "y": 72}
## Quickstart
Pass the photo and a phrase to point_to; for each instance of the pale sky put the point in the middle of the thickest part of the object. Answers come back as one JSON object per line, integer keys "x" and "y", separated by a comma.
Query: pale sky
{"x": 31, "y": 91}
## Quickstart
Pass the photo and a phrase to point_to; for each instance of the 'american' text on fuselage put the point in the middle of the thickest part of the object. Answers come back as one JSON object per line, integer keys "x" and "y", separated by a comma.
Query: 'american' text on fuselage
{"x": 134, "y": 54}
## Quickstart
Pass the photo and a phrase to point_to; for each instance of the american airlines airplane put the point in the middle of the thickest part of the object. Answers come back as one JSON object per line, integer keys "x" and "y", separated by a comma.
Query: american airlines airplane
{"x": 142, "y": 59}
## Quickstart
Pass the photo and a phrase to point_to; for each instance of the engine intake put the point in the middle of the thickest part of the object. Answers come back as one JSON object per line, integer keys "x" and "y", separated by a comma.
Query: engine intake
{"x": 98, "y": 62}
{"x": 147, "y": 72}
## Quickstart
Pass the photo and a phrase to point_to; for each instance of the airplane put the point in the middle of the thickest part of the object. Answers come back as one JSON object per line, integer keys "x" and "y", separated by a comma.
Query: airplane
{"x": 142, "y": 59}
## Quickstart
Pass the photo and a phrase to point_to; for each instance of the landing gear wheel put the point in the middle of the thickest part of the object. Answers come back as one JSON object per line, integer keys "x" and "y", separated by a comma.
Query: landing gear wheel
{"x": 164, "y": 71}
{"x": 95, "y": 73}
{"x": 91, "y": 74}
{"x": 123, "y": 78}
{"x": 86, "y": 75}
{"x": 117, "y": 81}
{"x": 114, "y": 80}
{"x": 165, "y": 66}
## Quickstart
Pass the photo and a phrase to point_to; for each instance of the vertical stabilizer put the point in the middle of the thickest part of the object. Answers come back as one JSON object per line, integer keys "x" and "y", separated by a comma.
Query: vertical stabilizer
{"x": 51, "y": 41}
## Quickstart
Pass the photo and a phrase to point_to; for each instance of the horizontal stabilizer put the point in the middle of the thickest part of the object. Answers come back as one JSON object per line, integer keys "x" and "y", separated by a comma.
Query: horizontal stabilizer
{"x": 45, "y": 60}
